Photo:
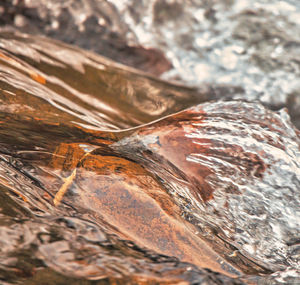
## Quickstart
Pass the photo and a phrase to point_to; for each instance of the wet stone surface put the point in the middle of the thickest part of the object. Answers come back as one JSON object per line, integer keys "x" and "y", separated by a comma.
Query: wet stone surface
{"x": 111, "y": 176}
{"x": 52, "y": 126}
{"x": 237, "y": 173}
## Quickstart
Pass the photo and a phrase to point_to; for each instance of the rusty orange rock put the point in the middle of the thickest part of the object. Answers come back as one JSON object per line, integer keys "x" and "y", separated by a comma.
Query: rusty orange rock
{"x": 136, "y": 206}
{"x": 143, "y": 184}
{"x": 224, "y": 162}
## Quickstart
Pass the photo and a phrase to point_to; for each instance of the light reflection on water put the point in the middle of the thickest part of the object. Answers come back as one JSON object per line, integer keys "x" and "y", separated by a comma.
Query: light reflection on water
{"x": 64, "y": 108}
{"x": 252, "y": 46}
{"x": 48, "y": 124}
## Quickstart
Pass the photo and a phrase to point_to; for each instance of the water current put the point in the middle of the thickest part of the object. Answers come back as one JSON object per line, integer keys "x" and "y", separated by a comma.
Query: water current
{"x": 109, "y": 175}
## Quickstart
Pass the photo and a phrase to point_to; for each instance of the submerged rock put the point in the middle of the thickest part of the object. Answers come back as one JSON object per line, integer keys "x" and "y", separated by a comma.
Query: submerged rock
{"x": 234, "y": 169}
{"x": 221, "y": 176}
{"x": 101, "y": 178}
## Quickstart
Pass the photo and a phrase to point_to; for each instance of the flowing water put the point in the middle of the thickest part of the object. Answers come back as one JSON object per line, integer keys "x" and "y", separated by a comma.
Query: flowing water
{"x": 241, "y": 49}
{"x": 59, "y": 103}
{"x": 111, "y": 176}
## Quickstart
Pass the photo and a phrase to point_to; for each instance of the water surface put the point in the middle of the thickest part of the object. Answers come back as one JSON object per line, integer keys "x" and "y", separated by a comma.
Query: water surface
{"x": 151, "y": 195}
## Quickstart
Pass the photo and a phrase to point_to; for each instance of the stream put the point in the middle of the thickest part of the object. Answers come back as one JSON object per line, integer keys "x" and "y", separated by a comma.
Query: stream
{"x": 180, "y": 167}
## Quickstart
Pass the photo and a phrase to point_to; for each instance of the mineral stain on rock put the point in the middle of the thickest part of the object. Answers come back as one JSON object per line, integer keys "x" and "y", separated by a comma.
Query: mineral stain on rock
{"x": 203, "y": 164}
{"x": 225, "y": 160}
{"x": 137, "y": 207}
{"x": 158, "y": 193}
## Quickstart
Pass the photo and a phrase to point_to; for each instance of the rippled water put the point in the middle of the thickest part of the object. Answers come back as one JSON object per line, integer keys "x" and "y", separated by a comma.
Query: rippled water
{"x": 242, "y": 49}
{"x": 105, "y": 180}
{"x": 250, "y": 44}
{"x": 57, "y": 105}
{"x": 216, "y": 186}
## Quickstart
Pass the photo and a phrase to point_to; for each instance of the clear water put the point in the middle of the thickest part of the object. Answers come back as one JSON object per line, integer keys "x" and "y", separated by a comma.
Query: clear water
{"x": 238, "y": 49}
{"x": 215, "y": 186}
{"x": 58, "y": 104}
{"x": 250, "y": 44}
